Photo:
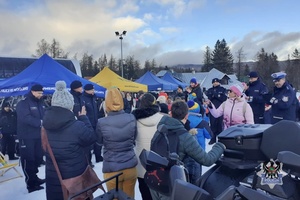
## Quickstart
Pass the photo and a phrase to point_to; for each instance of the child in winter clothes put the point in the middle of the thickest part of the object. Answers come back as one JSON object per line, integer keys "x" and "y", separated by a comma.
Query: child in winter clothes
{"x": 201, "y": 131}
{"x": 190, "y": 95}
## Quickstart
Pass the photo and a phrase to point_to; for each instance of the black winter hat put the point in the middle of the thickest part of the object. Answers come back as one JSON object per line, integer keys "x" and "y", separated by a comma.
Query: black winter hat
{"x": 147, "y": 100}
{"x": 37, "y": 87}
{"x": 215, "y": 80}
{"x": 88, "y": 86}
{"x": 253, "y": 75}
{"x": 5, "y": 104}
{"x": 75, "y": 84}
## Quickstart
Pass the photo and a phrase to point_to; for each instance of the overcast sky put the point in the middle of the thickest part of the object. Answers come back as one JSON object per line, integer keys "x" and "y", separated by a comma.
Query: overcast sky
{"x": 169, "y": 31}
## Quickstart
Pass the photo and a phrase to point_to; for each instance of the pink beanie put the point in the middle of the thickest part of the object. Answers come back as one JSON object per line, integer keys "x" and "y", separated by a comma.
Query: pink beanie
{"x": 237, "y": 90}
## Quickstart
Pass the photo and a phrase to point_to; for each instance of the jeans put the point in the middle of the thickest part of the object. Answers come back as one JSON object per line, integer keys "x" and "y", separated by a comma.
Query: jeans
{"x": 194, "y": 170}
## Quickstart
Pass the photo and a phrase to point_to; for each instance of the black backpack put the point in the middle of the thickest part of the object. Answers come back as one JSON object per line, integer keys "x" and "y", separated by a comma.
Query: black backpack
{"x": 166, "y": 144}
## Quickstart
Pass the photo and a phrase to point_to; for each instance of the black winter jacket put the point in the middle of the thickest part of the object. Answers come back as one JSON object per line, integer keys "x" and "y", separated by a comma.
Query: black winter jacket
{"x": 8, "y": 122}
{"x": 30, "y": 112}
{"x": 78, "y": 102}
{"x": 92, "y": 109}
{"x": 67, "y": 137}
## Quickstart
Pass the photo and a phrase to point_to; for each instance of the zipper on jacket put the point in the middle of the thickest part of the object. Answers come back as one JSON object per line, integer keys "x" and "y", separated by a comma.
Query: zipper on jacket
{"x": 230, "y": 119}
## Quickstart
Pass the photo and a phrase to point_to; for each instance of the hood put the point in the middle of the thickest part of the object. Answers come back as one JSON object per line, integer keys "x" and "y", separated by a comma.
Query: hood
{"x": 58, "y": 118}
{"x": 172, "y": 124}
{"x": 113, "y": 100}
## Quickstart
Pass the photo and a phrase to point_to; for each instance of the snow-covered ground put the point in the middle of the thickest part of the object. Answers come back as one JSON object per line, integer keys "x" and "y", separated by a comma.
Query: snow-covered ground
{"x": 16, "y": 188}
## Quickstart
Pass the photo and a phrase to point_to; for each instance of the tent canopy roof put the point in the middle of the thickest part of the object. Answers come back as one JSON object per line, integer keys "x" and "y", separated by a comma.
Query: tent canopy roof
{"x": 155, "y": 84}
{"x": 107, "y": 78}
{"x": 44, "y": 71}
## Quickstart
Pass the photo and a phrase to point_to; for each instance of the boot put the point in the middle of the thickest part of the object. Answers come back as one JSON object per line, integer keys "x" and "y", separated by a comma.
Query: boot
{"x": 34, "y": 188}
{"x": 212, "y": 141}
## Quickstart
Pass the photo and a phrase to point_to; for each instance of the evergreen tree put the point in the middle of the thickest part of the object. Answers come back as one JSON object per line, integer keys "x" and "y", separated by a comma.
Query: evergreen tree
{"x": 265, "y": 66}
{"x": 112, "y": 64}
{"x": 147, "y": 66}
{"x": 102, "y": 62}
{"x": 86, "y": 65}
{"x": 222, "y": 58}
{"x": 208, "y": 65}
{"x": 293, "y": 69}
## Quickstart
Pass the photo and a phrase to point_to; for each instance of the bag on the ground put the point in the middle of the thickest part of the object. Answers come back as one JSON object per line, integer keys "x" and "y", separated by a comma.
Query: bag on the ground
{"x": 163, "y": 143}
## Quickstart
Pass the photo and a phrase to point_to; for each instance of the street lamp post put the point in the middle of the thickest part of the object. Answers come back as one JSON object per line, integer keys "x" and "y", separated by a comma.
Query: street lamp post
{"x": 120, "y": 35}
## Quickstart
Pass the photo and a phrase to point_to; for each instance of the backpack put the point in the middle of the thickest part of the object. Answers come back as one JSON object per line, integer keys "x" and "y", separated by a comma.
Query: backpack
{"x": 164, "y": 143}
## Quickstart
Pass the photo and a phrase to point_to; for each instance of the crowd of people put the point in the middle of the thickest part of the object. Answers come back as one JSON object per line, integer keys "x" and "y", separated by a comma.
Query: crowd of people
{"x": 117, "y": 129}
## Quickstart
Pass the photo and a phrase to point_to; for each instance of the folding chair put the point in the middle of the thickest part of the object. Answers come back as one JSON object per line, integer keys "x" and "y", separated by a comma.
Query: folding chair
{"x": 5, "y": 167}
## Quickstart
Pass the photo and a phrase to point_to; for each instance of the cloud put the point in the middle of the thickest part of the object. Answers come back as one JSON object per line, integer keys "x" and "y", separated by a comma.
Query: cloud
{"x": 279, "y": 43}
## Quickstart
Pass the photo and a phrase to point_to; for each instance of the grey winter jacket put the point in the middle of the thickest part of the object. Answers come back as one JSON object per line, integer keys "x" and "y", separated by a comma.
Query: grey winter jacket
{"x": 117, "y": 133}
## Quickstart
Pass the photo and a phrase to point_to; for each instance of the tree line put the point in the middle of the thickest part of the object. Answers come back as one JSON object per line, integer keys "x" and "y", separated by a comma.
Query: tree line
{"x": 220, "y": 58}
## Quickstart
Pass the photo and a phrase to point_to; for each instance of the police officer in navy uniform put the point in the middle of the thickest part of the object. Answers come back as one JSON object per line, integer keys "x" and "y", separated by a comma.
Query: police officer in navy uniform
{"x": 284, "y": 101}
{"x": 255, "y": 95}
{"x": 217, "y": 95}
{"x": 93, "y": 113}
{"x": 76, "y": 91}
{"x": 30, "y": 112}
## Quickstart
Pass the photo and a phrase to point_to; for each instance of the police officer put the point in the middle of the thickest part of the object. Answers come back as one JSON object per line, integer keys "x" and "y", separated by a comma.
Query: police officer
{"x": 283, "y": 100}
{"x": 255, "y": 92}
{"x": 217, "y": 95}
{"x": 93, "y": 113}
{"x": 76, "y": 91}
{"x": 30, "y": 112}
{"x": 8, "y": 125}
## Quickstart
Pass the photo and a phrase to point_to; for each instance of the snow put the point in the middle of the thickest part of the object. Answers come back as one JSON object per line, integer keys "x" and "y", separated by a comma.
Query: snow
{"x": 16, "y": 188}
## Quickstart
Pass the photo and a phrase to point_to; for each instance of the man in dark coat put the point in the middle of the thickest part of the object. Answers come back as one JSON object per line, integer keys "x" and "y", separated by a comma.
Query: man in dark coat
{"x": 30, "y": 112}
{"x": 93, "y": 113}
{"x": 283, "y": 101}
{"x": 8, "y": 125}
{"x": 217, "y": 95}
{"x": 180, "y": 93}
{"x": 199, "y": 94}
{"x": 255, "y": 93}
{"x": 76, "y": 91}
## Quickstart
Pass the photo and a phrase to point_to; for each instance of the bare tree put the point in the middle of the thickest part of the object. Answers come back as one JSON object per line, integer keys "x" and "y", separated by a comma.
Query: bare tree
{"x": 240, "y": 57}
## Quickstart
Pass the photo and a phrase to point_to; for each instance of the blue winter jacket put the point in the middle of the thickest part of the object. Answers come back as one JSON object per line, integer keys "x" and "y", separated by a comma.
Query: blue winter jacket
{"x": 203, "y": 129}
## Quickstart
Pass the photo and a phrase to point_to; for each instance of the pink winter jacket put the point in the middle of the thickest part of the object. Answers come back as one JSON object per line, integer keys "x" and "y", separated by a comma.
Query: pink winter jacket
{"x": 234, "y": 112}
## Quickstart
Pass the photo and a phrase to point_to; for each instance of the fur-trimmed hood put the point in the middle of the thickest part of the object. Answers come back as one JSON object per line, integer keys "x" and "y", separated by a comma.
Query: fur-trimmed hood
{"x": 141, "y": 113}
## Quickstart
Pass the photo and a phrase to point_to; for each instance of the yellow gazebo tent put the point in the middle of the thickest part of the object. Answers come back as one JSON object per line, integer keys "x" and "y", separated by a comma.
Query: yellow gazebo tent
{"x": 107, "y": 78}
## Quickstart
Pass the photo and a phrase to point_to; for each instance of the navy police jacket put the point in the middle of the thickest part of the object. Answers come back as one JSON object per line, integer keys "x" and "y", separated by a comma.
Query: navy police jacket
{"x": 92, "y": 109}
{"x": 217, "y": 95}
{"x": 284, "y": 103}
{"x": 256, "y": 92}
{"x": 30, "y": 112}
{"x": 78, "y": 102}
